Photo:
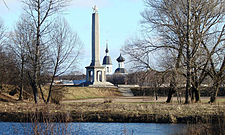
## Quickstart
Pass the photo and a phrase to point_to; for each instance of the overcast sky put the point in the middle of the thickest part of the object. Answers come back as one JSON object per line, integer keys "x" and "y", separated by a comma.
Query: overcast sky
{"x": 119, "y": 21}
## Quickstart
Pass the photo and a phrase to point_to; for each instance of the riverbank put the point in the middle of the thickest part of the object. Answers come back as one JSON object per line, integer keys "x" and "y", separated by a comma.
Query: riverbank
{"x": 111, "y": 112}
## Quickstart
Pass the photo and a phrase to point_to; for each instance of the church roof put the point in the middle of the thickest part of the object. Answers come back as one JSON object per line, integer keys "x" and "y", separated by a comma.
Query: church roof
{"x": 107, "y": 50}
{"x": 121, "y": 70}
{"x": 107, "y": 61}
{"x": 120, "y": 59}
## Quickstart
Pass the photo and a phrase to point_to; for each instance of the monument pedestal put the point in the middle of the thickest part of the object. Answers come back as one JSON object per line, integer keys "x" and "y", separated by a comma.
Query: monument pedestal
{"x": 95, "y": 74}
{"x": 95, "y": 77}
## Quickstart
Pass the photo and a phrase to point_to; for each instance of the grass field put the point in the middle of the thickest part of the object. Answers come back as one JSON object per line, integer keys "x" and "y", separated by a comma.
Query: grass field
{"x": 73, "y": 93}
{"x": 114, "y": 112}
{"x": 63, "y": 93}
{"x": 107, "y": 105}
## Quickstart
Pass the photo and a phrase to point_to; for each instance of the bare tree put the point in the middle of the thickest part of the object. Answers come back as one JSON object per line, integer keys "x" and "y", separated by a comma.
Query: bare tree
{"x": 2, "y": 33}
{"x": 215, "y": 50}
{"x": 21, "y": 40}
{"x": 2, "y": 54}
{"x": 5, "y": 3}
{"x": 181, "y": 27}
{"x": 207, "y": 41}
{"x": 171, "y": 36}
{"x": 41, "y": 13}
{"x": 65, "y": 51}
{"x": 139, "y": 53}
{"x": 188, "y": 51}
{"x": 57, "y": 57}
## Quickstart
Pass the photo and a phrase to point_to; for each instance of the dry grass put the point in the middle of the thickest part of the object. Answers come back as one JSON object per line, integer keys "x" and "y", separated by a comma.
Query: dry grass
{"x": 7, "y": 88}
{"x": 117, "y": 112}
{"x": 108, "y": 111}
{"x": 60, "y": 93}
{"x": 71, "y": 93}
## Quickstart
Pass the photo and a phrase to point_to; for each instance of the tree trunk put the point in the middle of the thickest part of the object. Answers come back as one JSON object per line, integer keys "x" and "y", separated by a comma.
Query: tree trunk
{"x": 188, "y": 55}
{"x": 155, "y": 93}
{"x": 21, "y": 92}
{"x": 53, "y": 77}
{"x": 37, "y": 55}
{"x": 215, "y": 89}
{"x": 42, "y": 94}
{"x": 22, "y": 79}
{"x": 197, "y": 95}
{"x": 192, "y": 94}
{"x": 34, "y": 88}
{"x": 35, "y": 93}
{"x": 50, "y": 89}
{"x": 173, "y": 86}
{"x": 170, "y": 95}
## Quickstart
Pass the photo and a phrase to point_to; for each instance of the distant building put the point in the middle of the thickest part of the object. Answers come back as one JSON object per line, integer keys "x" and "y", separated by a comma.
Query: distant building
{"x": 107, "y": 63}
{"x": 120, "y": 69}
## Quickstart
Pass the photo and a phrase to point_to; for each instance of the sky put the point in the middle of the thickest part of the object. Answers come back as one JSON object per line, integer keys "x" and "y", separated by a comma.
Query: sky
{"x": 119, "y": 20}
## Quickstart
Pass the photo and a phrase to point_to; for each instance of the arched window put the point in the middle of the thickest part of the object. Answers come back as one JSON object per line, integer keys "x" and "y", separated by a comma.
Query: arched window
{"x": 90, "y": 76}
{"x": 99, "y": 76}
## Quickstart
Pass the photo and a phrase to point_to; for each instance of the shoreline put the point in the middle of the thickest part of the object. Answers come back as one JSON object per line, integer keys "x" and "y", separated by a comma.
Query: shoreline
{"x": 115, "y": 119}
{"x": 113, "y": 112}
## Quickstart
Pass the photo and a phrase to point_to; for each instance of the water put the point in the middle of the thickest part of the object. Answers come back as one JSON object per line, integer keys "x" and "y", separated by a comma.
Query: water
{"x": 9, "y": 128}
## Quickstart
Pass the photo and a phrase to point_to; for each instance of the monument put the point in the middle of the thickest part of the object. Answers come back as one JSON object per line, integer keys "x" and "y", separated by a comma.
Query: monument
{"x": 95, "y": 73}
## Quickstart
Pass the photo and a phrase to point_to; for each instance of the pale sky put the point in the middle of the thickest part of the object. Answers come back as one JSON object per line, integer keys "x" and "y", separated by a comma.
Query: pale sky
{"x": 119, "y": 21}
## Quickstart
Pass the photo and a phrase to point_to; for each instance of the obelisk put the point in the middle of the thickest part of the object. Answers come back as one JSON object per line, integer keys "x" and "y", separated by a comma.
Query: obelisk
{"x": 95, "y": 39}
{"x": 95, "y": 73}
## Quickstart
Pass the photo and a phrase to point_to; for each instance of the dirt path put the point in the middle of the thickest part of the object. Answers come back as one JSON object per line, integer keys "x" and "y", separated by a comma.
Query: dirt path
{"x": 137, "y": 99}
{"x": 120, "y": 99}
{"x": 126, "y": 92}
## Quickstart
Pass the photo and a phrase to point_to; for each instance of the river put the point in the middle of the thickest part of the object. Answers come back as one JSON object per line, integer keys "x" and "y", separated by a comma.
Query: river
{"x": 9, "y": 128}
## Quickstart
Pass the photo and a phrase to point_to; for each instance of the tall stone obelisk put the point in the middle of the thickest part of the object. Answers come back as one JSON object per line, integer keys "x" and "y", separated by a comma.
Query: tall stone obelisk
{"x": 95, "y": 73}
{"x": 95, "y": 39}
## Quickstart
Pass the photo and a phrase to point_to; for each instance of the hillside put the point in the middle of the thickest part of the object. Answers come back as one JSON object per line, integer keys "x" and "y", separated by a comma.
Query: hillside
{"x": 70, "y": 93}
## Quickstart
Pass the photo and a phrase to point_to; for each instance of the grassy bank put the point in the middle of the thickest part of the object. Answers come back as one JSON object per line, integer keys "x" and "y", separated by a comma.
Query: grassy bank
{"x": 112, "y": 112}
{"x": 63, "y": 92}
{"x": 72, "y": 93}
{"x": 109, "y": 110}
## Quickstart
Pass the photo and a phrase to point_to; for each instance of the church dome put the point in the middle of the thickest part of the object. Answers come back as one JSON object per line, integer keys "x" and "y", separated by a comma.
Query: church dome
{"x": 121, "y": 70}
{"x": 107, "y": 61}
{"x": 120, "y": 59}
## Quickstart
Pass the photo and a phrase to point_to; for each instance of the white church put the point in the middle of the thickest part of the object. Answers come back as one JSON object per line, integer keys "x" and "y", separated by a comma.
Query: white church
{"x": 107, "y": 63}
